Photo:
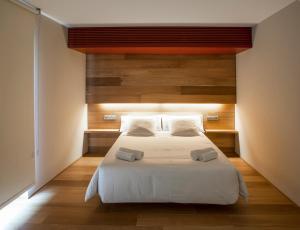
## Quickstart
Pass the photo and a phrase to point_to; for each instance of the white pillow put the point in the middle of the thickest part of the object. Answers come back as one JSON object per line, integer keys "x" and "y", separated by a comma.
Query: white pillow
{"x": 197, "y": 119}
{"x": 126, "y": 119}
{"x": 183, "y": 127}
{"x": 141, "y": 127}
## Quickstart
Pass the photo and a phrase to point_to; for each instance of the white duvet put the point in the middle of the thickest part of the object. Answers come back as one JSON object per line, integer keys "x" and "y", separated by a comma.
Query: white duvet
{"x": 166, "y": 173}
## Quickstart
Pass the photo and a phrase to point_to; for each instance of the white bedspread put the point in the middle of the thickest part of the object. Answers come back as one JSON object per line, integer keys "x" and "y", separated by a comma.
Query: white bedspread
{"x": 166, "y": 173}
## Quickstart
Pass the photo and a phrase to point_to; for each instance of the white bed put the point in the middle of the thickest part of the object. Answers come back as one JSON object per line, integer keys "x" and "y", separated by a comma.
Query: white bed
{"x": 166, "y": 173}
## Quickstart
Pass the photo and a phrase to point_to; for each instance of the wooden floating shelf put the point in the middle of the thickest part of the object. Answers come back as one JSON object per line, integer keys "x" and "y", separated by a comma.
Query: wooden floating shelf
{"x": 100, "y": 130}
{"x": 221, "y": 131}
{"x": 207, "y": 130}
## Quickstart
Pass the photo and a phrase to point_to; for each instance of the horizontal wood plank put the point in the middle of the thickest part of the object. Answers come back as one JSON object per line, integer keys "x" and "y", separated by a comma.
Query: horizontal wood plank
{"x": 208, "y": 90}
{"x": 103, "y": 81}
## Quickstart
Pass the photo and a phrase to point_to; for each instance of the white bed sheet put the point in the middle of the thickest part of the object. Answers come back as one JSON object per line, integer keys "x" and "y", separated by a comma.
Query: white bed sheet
{"x": 166, "y": 173}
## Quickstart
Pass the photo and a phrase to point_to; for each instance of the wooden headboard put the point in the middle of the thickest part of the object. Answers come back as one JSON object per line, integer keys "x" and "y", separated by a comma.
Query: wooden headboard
{"x": 124, "y": 84}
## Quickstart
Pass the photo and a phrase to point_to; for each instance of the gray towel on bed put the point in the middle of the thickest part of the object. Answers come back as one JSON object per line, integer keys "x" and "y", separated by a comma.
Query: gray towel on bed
{"x": 129, "y": 154}
{"x": 206, "y": 154}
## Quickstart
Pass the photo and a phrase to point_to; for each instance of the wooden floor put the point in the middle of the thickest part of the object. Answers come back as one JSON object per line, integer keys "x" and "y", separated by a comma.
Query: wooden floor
{"x": 60, "y": 205}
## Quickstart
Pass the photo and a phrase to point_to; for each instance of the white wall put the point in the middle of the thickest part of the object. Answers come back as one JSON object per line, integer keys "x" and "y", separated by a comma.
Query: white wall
{"x": 62, "y": 115}
{"x": 268, "y": 101}
{"x": 16, "y": 100}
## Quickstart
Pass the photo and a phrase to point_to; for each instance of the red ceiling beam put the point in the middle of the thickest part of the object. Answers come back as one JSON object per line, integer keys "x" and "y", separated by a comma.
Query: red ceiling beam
{"x": 160, "y": 40}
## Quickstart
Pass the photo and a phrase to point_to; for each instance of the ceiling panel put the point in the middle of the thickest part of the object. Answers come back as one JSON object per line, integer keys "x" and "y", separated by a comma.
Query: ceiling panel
{"x": 159, "y": 12}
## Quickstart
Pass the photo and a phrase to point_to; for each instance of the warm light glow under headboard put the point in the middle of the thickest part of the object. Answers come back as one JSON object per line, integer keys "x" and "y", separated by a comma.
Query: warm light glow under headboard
{"x": 96, "y": 113}
{"x": 160, "y": 107}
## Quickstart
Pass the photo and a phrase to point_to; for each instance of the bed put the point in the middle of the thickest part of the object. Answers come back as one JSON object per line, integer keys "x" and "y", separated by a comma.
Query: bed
{"x": 166, "y": 173}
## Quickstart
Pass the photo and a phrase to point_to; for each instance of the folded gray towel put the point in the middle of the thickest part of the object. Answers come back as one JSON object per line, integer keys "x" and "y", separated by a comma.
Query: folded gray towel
{"x": 206, "y": 154}
{"x": 125, "y": 156}
{"x": 129, "y": 154}
{"x": 137, "y": 153}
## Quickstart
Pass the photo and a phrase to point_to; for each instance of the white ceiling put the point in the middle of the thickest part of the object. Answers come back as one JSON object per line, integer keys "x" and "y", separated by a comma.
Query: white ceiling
{"x": 159, "y": 12}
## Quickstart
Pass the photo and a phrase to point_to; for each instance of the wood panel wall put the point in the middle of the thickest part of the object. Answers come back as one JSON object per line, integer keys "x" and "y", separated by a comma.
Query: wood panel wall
{"x": 159, "y": 84}
{"x": 161, "y": 79}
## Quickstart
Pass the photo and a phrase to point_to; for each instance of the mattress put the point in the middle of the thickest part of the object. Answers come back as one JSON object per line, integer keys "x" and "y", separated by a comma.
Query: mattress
{"x": 166, "y": 173}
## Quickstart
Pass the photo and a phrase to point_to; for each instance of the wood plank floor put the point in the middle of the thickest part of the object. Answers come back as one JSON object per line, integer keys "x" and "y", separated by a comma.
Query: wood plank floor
{"x": 60, "y": 205}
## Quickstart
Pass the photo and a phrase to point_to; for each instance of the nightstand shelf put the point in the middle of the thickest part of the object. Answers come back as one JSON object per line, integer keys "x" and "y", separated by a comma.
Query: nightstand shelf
{"x": 225, "y": 139}
{"x": 99, "y": 141}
